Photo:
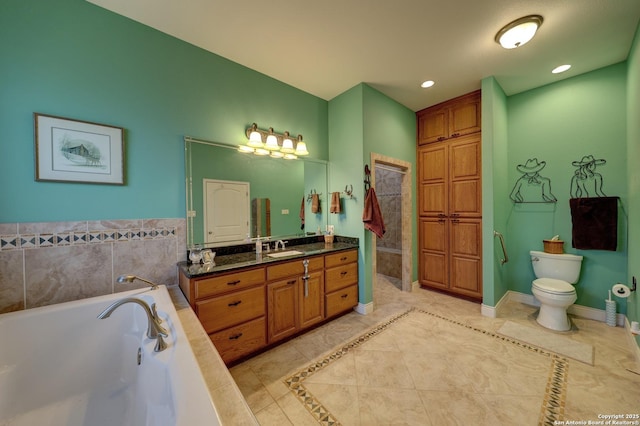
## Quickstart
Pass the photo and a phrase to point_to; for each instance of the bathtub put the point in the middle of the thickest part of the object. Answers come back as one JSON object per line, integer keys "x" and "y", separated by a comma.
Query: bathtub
{"x": 61, "y": 365}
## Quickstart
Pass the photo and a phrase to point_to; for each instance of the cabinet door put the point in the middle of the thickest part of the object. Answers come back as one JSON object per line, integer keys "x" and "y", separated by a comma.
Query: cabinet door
{"x": 465, "y": 198}
{"x": 282, "y": 308}
{"x": 464, "y": 116}
{"x": 434, "y": 265}
{"x": 466, "y": 257}
{"x": 433, "y": 125}
{"x": 433, "y": 178}
{"x": 311, "y": 296}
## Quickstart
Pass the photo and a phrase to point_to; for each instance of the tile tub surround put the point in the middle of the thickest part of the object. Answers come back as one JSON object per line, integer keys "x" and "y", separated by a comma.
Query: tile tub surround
{"x": 42, "y": 263}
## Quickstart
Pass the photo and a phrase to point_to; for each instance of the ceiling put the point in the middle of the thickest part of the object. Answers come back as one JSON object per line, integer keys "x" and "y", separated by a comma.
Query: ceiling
{"x": 327, "y": 47}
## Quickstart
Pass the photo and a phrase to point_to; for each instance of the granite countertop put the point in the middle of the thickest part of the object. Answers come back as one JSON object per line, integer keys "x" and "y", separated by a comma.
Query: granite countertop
{"x": 229, "y": 262}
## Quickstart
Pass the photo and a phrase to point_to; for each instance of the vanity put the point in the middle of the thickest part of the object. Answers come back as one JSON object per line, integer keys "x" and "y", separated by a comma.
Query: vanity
{"x": 248, "y": 302}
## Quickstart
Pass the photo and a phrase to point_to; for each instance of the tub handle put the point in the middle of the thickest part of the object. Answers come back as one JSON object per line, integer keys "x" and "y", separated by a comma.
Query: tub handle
{"x": 504, "y": 249}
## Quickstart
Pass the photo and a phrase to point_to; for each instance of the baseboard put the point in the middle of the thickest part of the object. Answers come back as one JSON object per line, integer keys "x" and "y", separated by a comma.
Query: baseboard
{"x": 364, "y": 308}
{"x": 632, "y": 343}
{"x": 494, "y": 311}
{"x": 415, "y": 285}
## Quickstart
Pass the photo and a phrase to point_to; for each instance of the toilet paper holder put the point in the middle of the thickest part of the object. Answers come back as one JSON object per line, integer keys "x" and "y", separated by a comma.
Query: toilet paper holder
{"x": 634, "y": 285}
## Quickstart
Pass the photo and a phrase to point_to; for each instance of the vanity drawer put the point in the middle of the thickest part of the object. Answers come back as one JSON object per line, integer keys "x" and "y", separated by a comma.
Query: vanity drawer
{"x": 228, "y": 282}
{"x": 341, "y": 258}
{"x": 341, "y": 276}
{"x": 341, "y": 300}
{"x": 294, "y": 267}
{"x": 225, "y": 311}
{"x": 240, "y": 340}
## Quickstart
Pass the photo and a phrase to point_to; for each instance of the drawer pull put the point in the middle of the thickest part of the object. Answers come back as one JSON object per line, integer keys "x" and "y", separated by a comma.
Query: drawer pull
{"x": 233, "y": 282}
{"x": 344, "y": 296}
{"x": 343, "y": 273}
{"x": 290, "y": 282}
{"x": 235, "y": 303}
{"x": 235, "y": 336}
{"x": 342, "y": 259}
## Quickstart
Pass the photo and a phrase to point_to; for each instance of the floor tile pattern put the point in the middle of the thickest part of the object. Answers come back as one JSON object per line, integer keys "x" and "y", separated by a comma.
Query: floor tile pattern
{"x": 425, "y": 358}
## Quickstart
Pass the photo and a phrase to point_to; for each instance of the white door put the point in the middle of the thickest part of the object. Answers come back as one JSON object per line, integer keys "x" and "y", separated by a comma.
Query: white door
{"x": 226, "y": 210}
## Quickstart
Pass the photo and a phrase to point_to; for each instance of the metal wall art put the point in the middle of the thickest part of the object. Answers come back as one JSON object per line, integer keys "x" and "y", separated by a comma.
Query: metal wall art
{"x": 531, "y": 187}
{"x": 585, "y": 182}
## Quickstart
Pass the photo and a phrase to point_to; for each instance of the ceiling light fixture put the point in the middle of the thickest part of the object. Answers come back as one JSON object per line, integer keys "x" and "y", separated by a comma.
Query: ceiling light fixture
{"x": 427, "y": 84}
{"x": 278, "y": 145}
{"x": 518, "y": 32}
{"x": 561, "y": 68}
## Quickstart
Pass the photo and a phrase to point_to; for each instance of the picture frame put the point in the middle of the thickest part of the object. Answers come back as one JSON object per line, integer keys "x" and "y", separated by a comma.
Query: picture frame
{"x": 68, "y": 150}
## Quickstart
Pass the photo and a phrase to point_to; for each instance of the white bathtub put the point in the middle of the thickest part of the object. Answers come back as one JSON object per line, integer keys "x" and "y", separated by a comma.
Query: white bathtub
{"x": 61, "y": 365}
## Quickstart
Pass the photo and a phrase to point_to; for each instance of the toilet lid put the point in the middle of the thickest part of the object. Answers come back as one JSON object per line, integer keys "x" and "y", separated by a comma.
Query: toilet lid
{"x": 551, "y": 285}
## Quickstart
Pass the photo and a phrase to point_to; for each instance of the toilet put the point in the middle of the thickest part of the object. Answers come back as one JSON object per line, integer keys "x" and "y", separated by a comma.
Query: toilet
{"x": 553, "y": 287}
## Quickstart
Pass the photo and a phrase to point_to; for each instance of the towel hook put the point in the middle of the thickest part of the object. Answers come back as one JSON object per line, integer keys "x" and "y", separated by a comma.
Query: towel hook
{"x": 348, "y": 190}
{"x": 367, "y": 178}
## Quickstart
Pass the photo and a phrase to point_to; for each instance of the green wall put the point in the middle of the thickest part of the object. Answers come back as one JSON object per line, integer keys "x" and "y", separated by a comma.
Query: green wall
{"x": 73, "y": 59}
{"x": 363, "y": 120}
{"x": 494, "y": 181}
{"x": 560, "y": 123}
{"x": 633, "y": 171}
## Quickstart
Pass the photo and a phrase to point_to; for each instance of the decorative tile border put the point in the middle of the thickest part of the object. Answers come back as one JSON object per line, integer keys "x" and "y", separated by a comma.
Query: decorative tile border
{"x": 44, "y": 240}
{"x": 552, "y": 409}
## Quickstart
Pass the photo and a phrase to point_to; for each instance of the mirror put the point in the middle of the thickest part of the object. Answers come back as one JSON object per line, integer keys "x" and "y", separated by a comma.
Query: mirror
{"x": 277, "y": 190}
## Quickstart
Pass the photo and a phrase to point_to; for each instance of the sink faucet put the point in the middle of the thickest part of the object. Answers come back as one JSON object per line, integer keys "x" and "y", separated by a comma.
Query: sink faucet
{"x": 154, "y": 329}
{"x": 279, "y": 242}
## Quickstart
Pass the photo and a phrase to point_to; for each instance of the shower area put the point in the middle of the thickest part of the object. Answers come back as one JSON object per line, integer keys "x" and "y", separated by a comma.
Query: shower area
{"x": 389, "y": 249}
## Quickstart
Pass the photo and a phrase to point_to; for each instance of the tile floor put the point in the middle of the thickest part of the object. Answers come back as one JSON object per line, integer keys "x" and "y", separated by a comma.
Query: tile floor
{"x": 424, "y": 358}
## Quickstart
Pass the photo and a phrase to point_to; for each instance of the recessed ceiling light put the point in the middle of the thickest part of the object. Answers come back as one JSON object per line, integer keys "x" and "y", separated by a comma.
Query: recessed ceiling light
{"x": 561, "y": 68}
{"x": 427, "y": 83}
{"x": 518, "y": 32}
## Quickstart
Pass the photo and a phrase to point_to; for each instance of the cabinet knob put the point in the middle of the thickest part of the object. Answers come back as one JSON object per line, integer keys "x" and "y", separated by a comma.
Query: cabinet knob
{"x": 455, "y": 135}
{"x": 343, "y": 273}
{"x": 344, "y": 296}
{"x": 441, "y": 138}
{"x": 290, "y": 282}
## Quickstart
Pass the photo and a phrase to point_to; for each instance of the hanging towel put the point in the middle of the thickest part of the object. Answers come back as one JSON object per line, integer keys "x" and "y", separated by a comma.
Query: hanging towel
{"x": 315, "y": 203}
{"x": 335, "y": 203}
{"x": 595, "y": 223}
{"x": 302, "y": 214}
{"x": 372, "y": 216}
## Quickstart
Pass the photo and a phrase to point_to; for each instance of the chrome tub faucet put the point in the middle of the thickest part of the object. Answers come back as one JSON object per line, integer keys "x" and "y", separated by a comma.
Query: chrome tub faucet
{"x": 154, "y": 329}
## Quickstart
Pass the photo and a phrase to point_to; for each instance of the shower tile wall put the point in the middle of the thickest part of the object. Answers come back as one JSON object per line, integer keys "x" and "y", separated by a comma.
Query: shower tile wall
{"x": 52, "y": 262}
{"x": 389, "y": 248}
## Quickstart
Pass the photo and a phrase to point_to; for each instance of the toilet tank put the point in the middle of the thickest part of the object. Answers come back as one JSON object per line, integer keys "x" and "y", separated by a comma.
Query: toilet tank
{"x": 564, "y": 266}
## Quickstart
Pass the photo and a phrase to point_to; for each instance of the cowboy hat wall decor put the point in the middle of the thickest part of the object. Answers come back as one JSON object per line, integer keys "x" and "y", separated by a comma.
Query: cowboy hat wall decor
{"x": 585, "y": 182}
{"x": 531, "y": 187}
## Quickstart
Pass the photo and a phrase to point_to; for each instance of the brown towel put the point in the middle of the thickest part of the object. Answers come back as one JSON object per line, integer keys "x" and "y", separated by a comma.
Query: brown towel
{"x": 335, "y": 203}
{"x": 595, "y": 223}
{"x": 302, "y": 214}
{"x": 315, "y": 203}
{"x": 372, "y": 216}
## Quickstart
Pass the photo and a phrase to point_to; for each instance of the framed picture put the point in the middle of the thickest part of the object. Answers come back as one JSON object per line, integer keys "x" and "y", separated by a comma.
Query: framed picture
{"x": 78, "y": 151}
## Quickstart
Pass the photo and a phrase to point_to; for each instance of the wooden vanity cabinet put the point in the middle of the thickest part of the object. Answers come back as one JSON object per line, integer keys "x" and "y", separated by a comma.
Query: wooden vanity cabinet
{"x": 293, "y": 302}
{"x": 232, "y": 310}
{"x": 246, "y": 310}
{"x": 341, "y": 282}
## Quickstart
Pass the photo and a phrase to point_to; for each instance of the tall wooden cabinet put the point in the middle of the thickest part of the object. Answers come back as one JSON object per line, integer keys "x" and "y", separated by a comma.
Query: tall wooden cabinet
{"x": 449, "y": 197}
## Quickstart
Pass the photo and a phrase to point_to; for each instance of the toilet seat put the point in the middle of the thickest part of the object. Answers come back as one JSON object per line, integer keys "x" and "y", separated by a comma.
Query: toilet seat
{"x": 553, "y": 286}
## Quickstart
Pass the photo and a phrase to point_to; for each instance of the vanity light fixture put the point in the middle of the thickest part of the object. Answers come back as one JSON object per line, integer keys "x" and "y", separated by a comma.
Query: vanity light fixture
{"x": 518, "y": 32}
{"x": 301, "y": 147}
{"x": 255, "y": 137}
{"x": 276, "y": 145}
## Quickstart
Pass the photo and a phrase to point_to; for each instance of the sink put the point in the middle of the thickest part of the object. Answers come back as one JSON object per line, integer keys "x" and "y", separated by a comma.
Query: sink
{"x": 284, "y": 253}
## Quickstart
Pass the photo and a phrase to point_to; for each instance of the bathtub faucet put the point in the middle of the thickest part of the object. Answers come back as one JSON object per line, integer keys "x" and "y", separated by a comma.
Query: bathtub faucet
{"x": 154, "y": 329}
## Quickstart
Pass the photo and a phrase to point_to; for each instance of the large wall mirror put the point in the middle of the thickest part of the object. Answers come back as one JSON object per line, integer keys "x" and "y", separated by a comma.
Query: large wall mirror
{"x": 233, "y": 196}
